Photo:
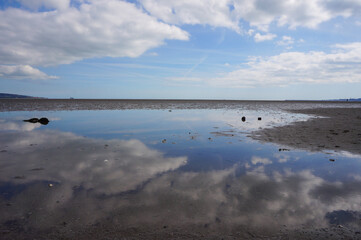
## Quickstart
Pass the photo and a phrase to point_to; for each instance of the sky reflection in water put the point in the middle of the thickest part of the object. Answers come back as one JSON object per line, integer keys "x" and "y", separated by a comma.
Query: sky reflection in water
{"x": 176, "y": 167}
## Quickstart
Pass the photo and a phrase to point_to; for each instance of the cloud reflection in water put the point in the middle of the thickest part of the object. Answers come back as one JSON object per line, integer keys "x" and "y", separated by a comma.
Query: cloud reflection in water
{"x": 131, "y": 184}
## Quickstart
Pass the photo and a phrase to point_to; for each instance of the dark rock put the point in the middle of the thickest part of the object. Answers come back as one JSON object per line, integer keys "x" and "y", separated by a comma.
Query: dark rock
{"x": 32, "y": 120}
{"x": 44, "y": 121}
{"x": 259, "y": 119}
{"x": 283, "y": 149}
{"x": 332, "y": 160}
{"x": 19, "y": 177}
{"x": 243, "y": 119}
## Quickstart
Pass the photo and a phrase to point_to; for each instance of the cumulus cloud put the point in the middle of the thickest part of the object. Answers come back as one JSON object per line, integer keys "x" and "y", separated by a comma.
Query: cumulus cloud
{"x": 286, "y": 41}
{"x": 266, "y": 37}
{"x": 48, "y": 4}
{"x": 94, "y": 29}
{"x": 105, "y": 166}
{"x": 23, "y": 72}
{"x": 17, "y": 126}
{"x": 215, "y": 13}
{"x": 259, "y": 13}
{"x": 340, "y": 66}
{"x": 258, "y": 160}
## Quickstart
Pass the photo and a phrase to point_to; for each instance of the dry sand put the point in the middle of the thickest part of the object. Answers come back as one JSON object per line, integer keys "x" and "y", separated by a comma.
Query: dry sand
{"x": 336, "y": 129}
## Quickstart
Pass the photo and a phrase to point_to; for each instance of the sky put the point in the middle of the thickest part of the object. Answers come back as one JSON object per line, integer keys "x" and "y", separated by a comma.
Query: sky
{"x": 181, "y": 49}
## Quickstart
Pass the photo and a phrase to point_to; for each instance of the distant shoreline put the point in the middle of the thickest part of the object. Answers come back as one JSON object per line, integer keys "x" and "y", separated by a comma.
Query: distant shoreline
{"x": 170, "y": 99}
{"x": 33, "y": 104}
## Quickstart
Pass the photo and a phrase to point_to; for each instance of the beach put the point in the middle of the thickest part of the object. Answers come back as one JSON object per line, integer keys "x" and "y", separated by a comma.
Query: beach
{"x": 336, "y": 129}
{"x": 180, "y": 169}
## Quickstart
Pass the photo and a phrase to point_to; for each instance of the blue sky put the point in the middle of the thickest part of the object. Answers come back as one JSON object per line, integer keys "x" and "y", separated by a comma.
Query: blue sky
{"x": 181, "y": 49}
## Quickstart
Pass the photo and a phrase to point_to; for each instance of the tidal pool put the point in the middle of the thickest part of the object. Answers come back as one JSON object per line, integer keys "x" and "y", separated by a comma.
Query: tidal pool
{"x": 171, "y": 172}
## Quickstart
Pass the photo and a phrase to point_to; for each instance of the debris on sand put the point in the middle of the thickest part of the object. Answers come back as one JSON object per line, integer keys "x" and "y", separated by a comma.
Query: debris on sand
{"x": 19, "y": 177}
{"x": 164, "y": 140}
{"x": 283, "y": 149}
{"x": 32, "y": 120}
{"x": 332, "y": 160}
{"x": 37, "y": 169}
{"x": 43, "y": 121}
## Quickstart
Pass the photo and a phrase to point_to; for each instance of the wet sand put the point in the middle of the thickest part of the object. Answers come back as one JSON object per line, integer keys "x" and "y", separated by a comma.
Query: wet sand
{"x": 330, "y": 128}
{"x": 336, "y": 129}
{"x": 8, "y": 105}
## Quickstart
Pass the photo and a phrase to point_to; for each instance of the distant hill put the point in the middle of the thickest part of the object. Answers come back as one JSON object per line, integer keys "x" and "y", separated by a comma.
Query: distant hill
{"x": 9, "y": 95}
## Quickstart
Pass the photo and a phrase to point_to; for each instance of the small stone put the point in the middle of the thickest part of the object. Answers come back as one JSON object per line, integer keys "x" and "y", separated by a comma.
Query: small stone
{"x": 243, "y": 119}
{"x": 50, "y": 185}
{"x": 19, "y": 177}
{"x": 164, "y": 140}
{"x": 332, "y": 160}
{"x": 43, "y": 121}
{"x": 259, "y": 119}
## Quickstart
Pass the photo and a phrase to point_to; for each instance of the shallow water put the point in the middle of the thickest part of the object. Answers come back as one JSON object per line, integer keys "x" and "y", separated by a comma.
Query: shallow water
{"x": 168, "y": 167}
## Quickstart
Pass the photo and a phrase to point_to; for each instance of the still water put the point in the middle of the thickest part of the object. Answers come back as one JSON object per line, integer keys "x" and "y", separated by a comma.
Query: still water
{"x": 160, "y": 169}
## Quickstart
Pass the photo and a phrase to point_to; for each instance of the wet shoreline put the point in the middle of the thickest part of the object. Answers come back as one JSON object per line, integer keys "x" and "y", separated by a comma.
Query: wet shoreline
{"x": 7, "y": 105}
{"x": 185, "y": 174}
{"x": 337, "y": 129}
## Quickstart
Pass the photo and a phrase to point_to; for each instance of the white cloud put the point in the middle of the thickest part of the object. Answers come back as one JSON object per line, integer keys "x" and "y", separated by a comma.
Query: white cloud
{"x": 259, "y": 13}
{"x": 341, "y": 66}
{"x": 257, "y": 160}
{"x": 48, "y": 4}
{"x": 266, "y": 37}
{"x": 17, "y": 126}
{"x": 215, "y": 13}
{"x": 96, "y": 29}
{"x": 286, "y": 41}
{"x": 120, "y": 166}
{"x": 22, "y": 72}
